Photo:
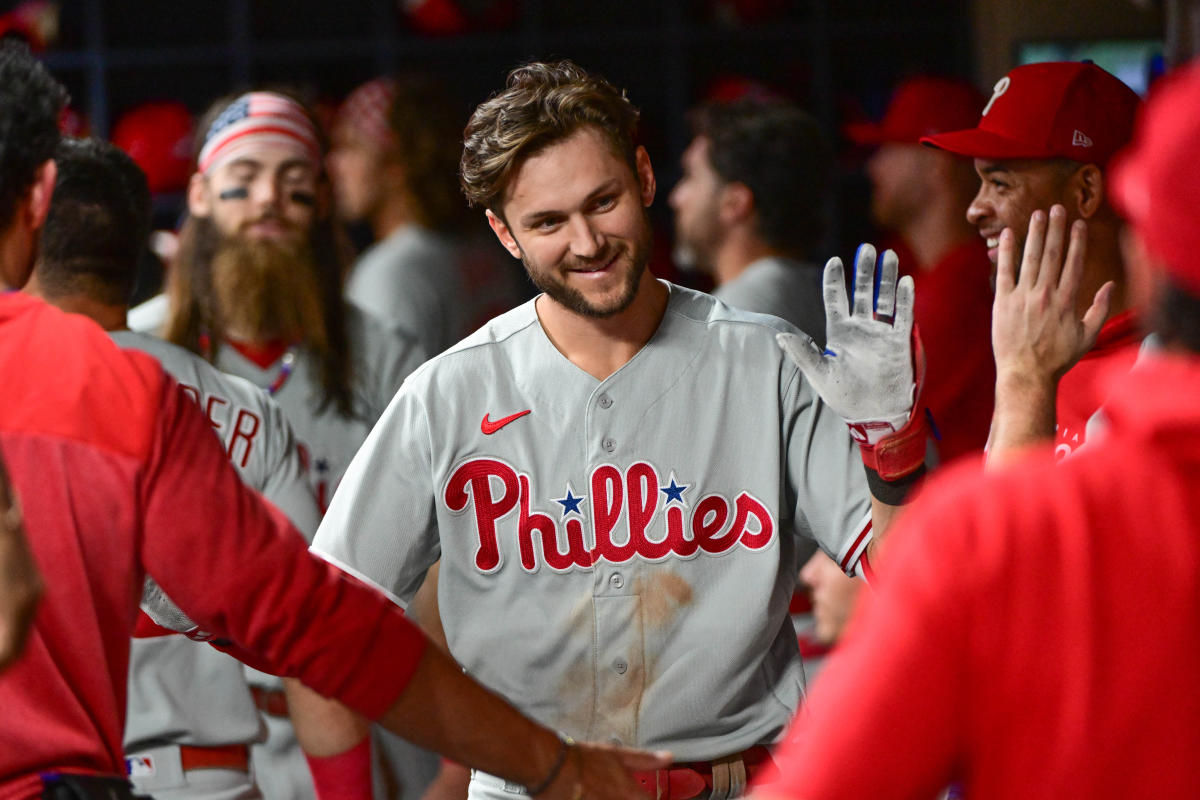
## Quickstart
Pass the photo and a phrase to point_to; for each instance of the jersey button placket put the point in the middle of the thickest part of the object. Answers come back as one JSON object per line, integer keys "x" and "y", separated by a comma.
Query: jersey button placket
{"x": 608, "y": 443}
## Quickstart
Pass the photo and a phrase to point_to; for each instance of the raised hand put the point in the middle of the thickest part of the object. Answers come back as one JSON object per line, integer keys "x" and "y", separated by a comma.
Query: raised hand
{"x": 1036, "y": 331}
{"x": 865, "y": 373}
{"x": 1037, "y": 334}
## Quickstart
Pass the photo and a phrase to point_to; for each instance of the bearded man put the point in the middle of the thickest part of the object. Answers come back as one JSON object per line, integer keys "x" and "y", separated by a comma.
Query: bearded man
{"x": 256, "y": 288}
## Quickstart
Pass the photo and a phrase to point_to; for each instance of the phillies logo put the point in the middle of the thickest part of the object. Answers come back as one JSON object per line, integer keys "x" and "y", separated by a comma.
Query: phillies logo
{"x": 493, "y": 490}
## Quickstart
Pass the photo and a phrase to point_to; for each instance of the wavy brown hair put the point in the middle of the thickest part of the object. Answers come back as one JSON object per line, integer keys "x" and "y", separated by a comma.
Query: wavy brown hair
{"x": 543, "y": 103}
{"x": 196, "y": 322}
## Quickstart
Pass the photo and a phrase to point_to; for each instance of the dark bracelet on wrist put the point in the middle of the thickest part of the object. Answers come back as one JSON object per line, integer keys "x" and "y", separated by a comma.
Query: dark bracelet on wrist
{"x": 555, "y": 768}
{"x": 894, "y": 492}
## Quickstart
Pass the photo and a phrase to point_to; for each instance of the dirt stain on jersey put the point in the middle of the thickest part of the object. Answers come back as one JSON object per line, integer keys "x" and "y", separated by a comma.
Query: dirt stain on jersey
{"x": 663, "y": 595}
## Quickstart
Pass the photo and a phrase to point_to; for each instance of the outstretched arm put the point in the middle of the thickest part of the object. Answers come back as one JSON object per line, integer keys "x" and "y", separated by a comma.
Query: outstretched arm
{"x": 1036, "y": 332}
{"x": 444, "y": 710}
{"x": 869, "y": 373}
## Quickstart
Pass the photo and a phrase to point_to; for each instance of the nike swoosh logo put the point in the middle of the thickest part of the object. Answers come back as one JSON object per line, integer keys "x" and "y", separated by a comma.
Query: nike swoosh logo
{"x": 489, "y": 427}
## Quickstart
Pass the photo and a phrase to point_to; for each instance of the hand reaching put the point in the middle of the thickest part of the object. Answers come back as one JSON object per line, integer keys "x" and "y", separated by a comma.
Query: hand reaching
{"x": 865, "y": 373}
{"x": 1036, "y": 332}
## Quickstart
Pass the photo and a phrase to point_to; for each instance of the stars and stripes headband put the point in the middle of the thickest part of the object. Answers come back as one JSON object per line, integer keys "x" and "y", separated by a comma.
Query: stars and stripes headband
{"x": 256, "y": 118}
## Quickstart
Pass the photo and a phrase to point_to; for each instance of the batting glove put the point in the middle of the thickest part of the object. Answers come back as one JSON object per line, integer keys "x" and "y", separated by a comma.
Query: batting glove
{"x": 866, "y": 371}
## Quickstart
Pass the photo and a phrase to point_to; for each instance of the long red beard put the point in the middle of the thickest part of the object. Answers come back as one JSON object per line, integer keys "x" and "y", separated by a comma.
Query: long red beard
{"x": 268, "y": 290}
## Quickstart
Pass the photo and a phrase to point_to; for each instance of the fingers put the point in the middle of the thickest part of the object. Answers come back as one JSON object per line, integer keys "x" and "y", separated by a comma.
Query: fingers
{"x": 1093, "y": 318}
{"x": 1006, "y": 263}
{"x": 906, "y": 293}
{"x": 864, "y": 280}
{"x": 889, "y": 270}
{"x": 834, "y": 291}
{"x": 1031, "y": 260}
{"x": 1051, "y": 262}
{"x": 1072, "y": 273}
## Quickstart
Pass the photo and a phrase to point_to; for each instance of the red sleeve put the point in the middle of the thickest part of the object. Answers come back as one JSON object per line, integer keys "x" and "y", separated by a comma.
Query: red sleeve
{"x": 883, "y": 719}
{"x": 236, "y": 566}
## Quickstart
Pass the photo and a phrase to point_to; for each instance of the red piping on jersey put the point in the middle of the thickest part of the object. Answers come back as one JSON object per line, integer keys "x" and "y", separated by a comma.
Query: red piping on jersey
{"x": 854, "y": 547}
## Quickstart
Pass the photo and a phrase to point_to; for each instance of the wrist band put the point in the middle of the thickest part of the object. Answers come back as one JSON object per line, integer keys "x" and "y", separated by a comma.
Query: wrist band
{"x": 559, "y": 760}
{"x": 893, "y": 492}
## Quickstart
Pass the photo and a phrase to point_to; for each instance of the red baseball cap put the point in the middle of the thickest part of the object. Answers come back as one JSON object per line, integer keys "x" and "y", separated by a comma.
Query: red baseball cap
{"x": 921, "y": 106}
{"x": 1155, "y": 182}
{"x": 1057, "y": 109}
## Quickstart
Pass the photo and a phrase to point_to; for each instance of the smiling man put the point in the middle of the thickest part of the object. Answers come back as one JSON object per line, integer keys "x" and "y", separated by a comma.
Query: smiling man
{"x": 1044, "y": 141}
{"x": 614, "y": 474}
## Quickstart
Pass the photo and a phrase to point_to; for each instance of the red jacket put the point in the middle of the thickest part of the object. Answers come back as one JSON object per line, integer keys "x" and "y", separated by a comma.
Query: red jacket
{"x": 1034, "y": 630}
{"x": 119, "y": 475}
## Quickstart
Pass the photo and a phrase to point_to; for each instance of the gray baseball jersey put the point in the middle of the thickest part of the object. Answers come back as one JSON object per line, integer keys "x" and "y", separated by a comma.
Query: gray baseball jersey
{"x": 410, "y": 280}
{"x": 617, "y": 556}
{"x": 180, "y": 691}
{"x": 383, "y": 358}
{"x": 784, "y": 288}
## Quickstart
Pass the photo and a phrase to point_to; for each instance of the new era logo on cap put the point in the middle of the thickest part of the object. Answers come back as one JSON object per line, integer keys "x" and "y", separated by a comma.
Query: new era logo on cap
{"x": 1042, "y": 110}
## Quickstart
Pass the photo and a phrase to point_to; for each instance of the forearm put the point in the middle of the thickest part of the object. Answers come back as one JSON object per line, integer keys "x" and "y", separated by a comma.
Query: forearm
{"x": 882, "y": 516}
{"x": 1024, "y": 415}
{"x": 324, "y": 727}
{"x": 444, "y": 710}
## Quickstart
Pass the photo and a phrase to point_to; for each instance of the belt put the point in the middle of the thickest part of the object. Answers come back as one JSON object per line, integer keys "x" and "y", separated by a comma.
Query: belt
{"x": 270, "y": 701}
{"x": 233, "y": 756}
{"x": 719, "y": 779}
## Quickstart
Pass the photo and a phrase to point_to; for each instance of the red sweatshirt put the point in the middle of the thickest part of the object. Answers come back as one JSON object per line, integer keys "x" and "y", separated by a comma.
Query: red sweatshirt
{"x": 119, "y": 475}
{"x": 1033, "y": 632}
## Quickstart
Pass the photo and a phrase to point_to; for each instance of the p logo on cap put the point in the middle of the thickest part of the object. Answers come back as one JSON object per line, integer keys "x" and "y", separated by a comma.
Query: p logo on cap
{"x": 1000, "y": 88}
{"x": 1057, "y": 109}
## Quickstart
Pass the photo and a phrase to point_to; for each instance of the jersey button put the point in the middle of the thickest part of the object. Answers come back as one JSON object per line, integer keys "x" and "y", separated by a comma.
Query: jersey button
{"x": 605, "y": 401}
{"x": 620, "y": 666}
{"x": 616, "y": 580}
{"x": 608, "y": 444}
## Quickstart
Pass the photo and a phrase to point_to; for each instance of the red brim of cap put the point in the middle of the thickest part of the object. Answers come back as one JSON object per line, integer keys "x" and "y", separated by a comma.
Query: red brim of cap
{"x": 978, "y": 143}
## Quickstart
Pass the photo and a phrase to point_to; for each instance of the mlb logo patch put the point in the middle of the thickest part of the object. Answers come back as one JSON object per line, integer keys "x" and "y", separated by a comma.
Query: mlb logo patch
{"x": 139, "y": 766}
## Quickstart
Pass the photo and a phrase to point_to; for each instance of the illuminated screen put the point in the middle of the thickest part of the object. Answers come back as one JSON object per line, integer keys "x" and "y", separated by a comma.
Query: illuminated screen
{"x": 1137, "y": 62}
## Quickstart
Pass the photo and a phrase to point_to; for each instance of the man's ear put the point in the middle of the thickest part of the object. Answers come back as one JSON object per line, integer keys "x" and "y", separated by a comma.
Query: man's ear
{"x": 645, "y": 175}
{"x": 199, "y": 197}
{"x": 736, "y": 203}
{"x": 500, "y": 228}
{"x": 1086, "y": 190}
{"x": 40, "y": 194}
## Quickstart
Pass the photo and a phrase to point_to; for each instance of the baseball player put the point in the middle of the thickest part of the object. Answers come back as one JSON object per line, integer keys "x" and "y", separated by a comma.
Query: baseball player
{"x": 1041, "y": 150}
{"x": 256, "y": 287}
{"x": 393, "y": 158}
{"x": 105, "y": 450}
{"x": 615, "y": 474}
{"x": 988, "y": 652}
{"x": 748, "y": 207}
{"x": 918, "y": 194}
{"x": 191, "y": 717}
{"x": 20, "y": 585}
